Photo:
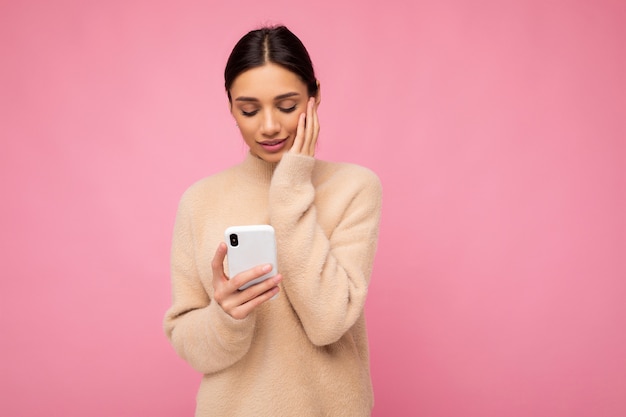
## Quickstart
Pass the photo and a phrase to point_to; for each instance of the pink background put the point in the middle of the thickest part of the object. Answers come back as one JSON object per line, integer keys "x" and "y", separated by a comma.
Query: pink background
{"x": 497, "y": 128}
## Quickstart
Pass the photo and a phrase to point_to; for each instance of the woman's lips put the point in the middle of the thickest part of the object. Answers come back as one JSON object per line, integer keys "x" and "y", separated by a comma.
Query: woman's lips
{"x": 273, "y": 146}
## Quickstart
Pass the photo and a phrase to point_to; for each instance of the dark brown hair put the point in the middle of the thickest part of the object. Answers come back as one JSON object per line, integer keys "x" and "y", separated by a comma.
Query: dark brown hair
{"x": 275, "y": 44}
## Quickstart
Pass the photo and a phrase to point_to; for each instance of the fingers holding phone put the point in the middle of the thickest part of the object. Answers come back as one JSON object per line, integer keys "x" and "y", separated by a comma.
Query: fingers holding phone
{"x": 253, "y": 277}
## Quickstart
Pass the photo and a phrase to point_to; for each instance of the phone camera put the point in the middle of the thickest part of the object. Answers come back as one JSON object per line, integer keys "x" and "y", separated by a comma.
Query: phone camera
{"x": 234, "y": 240}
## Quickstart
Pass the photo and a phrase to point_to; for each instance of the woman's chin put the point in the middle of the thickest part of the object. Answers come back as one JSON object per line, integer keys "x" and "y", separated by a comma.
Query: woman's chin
{"x": 272, "y": 158}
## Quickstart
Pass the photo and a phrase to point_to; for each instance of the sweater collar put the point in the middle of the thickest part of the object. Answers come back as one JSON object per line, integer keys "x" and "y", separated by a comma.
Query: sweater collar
{"x": 258, "y": 169}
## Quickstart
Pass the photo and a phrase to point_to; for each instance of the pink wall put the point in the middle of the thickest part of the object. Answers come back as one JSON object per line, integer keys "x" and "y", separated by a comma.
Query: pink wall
{"x": 498, "y": 131}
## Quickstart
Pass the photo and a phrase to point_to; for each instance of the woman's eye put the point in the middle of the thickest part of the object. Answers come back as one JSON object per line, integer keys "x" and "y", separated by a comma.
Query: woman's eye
{"x": 287, "y": 109}
{"x": 249, "y": 113}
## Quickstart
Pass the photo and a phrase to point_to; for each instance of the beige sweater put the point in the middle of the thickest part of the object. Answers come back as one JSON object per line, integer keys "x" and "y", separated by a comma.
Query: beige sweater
{"x": 304, "y": 353}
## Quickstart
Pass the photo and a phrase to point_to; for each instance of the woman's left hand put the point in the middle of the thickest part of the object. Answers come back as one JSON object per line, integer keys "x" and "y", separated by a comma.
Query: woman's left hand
{"x": 308, "y": 130}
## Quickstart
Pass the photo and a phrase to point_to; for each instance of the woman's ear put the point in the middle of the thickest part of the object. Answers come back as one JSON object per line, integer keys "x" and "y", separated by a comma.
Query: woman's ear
{"x": 318, "y": 96}
{"x": 230, "y": 110}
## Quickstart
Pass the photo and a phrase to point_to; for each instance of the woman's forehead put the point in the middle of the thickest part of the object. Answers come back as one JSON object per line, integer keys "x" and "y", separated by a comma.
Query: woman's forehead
{"x": 267, "y": 82}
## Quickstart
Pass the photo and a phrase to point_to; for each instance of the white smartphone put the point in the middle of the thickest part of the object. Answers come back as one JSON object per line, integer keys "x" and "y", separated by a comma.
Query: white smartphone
{"x": 250, "y": 246}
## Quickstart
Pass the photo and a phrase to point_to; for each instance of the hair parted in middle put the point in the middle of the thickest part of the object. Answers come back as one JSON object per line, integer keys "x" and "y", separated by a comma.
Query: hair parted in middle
{"x": 271, "y": 44}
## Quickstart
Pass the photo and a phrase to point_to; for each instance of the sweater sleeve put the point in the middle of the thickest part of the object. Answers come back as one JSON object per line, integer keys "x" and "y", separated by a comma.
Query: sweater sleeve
{"x": 326, "y": 272}
{"x": 199, "y": 330}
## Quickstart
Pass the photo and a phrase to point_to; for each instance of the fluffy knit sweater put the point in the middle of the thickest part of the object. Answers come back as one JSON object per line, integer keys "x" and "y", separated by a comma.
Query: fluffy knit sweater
{"x": 304, "y": 353}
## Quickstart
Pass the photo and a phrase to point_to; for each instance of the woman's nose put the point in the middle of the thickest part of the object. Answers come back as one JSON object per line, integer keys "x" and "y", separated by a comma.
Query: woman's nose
{"x": 270, "y": 125}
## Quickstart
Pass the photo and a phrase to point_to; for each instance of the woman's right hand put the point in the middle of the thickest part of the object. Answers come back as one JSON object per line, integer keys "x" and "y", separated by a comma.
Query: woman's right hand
{"x": 239, "y": 304}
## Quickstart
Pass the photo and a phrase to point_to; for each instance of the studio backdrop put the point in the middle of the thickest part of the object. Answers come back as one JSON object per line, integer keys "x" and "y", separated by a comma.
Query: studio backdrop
{"x": 497, "y": 129}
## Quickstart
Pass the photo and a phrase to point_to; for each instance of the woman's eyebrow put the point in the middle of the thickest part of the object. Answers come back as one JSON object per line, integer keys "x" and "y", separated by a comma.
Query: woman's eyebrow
{"x": 277, "y": 98}
{"x": 243, "y": 98}
{"x": 286, "y": 95}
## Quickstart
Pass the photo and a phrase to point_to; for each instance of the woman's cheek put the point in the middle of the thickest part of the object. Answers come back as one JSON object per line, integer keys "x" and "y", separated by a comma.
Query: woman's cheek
{"x": 293, "y": 122}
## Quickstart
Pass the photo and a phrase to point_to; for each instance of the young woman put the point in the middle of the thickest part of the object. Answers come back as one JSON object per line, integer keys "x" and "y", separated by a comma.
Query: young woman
{"x": 305, "y": 352}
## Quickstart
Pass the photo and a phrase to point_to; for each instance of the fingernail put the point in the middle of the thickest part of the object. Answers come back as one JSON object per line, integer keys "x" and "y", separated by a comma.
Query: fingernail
{"x": 267, "y": 268}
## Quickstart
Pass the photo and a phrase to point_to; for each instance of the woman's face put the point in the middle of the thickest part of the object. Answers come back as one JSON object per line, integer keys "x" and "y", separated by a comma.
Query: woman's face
{"x": 266, "y": 104}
